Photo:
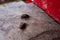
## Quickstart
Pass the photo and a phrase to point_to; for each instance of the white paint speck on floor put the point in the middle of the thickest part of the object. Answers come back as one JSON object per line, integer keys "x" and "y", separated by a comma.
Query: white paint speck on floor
{"x": 10, "y": 20}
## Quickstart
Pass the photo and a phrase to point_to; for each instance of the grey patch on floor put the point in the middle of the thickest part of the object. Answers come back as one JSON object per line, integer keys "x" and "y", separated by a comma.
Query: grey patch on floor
{"x": 47, "y": 35}
{"x": 10, "y": 21}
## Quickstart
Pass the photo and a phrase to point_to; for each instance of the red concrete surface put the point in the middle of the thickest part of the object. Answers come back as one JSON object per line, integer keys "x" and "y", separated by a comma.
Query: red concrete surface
{"x": 52, "y": 7}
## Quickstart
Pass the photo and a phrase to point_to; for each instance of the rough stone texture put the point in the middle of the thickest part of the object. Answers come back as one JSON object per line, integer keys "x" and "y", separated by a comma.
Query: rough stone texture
{"x": 40, "y": 25}
{"x": 7, "y": 1}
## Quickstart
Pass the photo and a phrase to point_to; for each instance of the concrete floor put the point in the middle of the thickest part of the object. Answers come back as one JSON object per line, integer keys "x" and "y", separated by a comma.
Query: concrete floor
{"x": 39, "y": 26}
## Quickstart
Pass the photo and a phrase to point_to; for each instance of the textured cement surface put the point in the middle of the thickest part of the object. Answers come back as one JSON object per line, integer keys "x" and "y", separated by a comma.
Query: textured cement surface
{"x": 40, "y": 25}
